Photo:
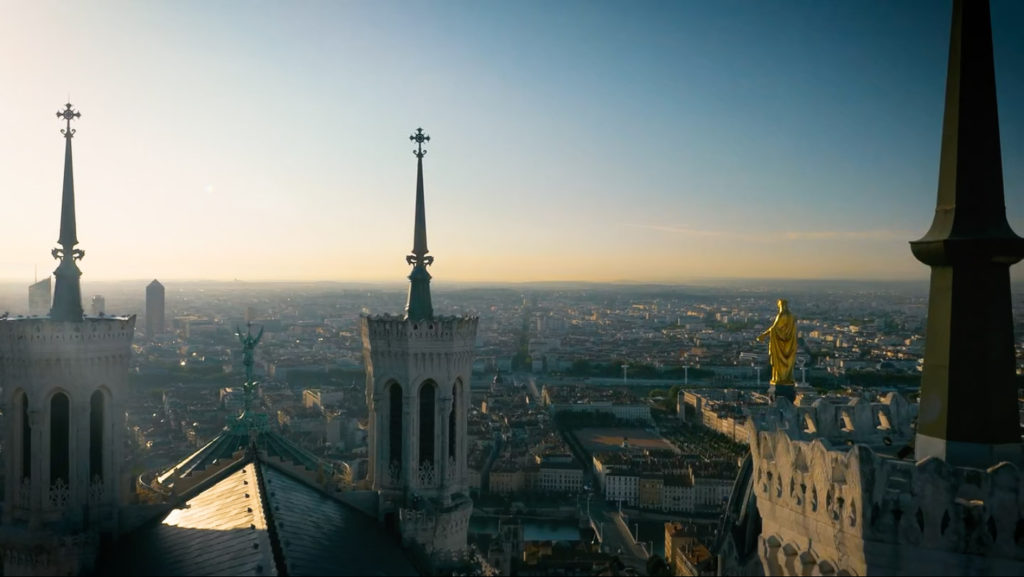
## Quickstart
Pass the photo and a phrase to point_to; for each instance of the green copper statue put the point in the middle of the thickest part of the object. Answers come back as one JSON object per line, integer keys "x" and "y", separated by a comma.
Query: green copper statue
{"x": 782, "y": 345}
{"x": 248, "y": 346}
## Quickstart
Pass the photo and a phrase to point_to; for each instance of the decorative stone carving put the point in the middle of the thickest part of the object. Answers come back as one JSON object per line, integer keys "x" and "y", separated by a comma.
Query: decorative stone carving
{"x": 59, "y": 494}
{"x": 427, "y": 475}
{"x": 96, "y": 491}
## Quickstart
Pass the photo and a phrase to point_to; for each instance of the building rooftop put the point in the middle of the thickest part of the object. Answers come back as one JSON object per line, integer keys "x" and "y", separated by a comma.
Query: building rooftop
{"x": 259, "y": 520}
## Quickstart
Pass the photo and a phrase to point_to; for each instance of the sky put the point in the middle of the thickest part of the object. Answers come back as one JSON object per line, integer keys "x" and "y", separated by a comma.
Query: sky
{"x": 570, "y": 141}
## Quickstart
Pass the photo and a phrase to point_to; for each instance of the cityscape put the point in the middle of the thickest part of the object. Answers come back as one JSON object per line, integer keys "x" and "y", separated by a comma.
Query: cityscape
{"x": 754, "y": 424}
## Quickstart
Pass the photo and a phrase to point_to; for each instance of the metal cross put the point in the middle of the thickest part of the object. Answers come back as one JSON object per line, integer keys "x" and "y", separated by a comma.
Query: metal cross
{"x": 68, "y": 114}
{"x": 419, "y": 138}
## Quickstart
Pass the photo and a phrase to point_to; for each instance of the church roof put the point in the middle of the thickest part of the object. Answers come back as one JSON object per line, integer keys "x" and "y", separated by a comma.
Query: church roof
{"x": 260, "y": 520}
{"x": 235, "y": 438}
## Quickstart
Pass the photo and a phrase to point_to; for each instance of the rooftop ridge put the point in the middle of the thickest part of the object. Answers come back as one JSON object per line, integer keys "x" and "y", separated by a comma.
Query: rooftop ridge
{"x": 268, "y": 515}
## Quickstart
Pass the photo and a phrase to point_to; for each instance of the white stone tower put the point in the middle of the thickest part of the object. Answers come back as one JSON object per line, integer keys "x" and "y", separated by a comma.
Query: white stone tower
{"x": 64, "y": 378}
{"x": 418, "y": 368}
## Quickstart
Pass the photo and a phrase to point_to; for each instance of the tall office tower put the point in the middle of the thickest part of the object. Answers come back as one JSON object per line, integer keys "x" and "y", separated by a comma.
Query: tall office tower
{"x": 39, "y": 297}
{"x": 856, "y": 489}
{"x": 64, "y": 380}
{"x": 418, "y": 368}
{"x": 98, "y": 305}
{"x": 154, "y": 309}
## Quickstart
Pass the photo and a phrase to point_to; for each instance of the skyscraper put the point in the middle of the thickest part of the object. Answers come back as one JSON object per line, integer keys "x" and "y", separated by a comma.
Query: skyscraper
{"x": 154, "y": 309}
{"x": 418, "y": 368}
{"x": 39, "y": 296}
{"x": 63, "y": 379}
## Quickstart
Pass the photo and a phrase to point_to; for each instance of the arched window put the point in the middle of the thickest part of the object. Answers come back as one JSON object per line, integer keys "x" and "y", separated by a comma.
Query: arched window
{"x": 26, "y": 439}
{"x": 428, "y": 392}
{"x": 60, "y": 445}
{"x": 96, "y": 437}
{"x": 452, "y": 420}
{"x": 395, "y": 425}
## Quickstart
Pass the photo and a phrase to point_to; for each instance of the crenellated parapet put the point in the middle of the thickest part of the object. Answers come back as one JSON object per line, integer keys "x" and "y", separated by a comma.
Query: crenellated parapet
{"x": 399, "y": 333}
{"x": 407, "y": 352}
{"x": 41, "y": 351}
{"x": 852, "y": 508}
{"x": 40, "y": 337}
{"x": 883, "y": 420}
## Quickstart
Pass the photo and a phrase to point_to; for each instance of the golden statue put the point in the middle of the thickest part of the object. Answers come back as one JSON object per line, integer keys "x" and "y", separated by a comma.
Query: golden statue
{"x": 782, "y": 345}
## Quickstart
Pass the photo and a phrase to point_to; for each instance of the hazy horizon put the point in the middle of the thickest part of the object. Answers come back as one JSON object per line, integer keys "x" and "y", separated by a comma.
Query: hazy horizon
{"x": 571, "y": 142}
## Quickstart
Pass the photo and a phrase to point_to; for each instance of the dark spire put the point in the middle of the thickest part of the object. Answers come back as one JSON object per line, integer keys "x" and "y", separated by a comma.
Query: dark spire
{"x": 419, "y": 305}
{"x": 67, "y": 292}
{"x": 968, "y": 410}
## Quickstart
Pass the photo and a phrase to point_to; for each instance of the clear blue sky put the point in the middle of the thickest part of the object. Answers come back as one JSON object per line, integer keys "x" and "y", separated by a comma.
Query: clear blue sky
{"x": 647, "y": 141}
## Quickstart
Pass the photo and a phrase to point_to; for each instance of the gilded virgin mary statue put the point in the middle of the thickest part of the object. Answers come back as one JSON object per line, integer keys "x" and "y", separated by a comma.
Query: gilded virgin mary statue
{"x": 782, "y": 345}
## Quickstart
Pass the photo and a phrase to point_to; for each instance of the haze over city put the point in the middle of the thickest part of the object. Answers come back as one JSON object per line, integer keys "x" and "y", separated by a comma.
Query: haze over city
{"x": 570, "y": 141}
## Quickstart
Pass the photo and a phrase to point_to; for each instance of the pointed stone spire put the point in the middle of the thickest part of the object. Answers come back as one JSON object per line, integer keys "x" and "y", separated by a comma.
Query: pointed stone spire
{"x": 67, "y": 291}
{"x": 419, "y": 306}
{"x": 968, "y": 412}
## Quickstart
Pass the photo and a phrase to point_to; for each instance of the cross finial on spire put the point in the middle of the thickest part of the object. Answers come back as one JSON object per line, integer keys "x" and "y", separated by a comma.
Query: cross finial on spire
{"x": 419, "y": 306}
{"x": 419, "y": 138}
{"x": 70, "y": 114}
{"x": 67, "y": 292}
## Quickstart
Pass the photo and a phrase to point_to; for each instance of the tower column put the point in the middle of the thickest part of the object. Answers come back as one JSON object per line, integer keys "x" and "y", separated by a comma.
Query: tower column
{"x": 968, "y": 411}
{"x": 410, "y": 448}
{"x": 40, "y": 464}
{"x": 12, "y": 480}
{"x": 377, "y": 438}
{"x": 461, "y": 433}
{"x": 78, "y": 455}
{"x": 443, "y": 412}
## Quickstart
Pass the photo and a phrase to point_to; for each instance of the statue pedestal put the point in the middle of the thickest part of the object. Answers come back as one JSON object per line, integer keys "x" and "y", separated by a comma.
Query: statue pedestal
{"x": 777, "y": 391}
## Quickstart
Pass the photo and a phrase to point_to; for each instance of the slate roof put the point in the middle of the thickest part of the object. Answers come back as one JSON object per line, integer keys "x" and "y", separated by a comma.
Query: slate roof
{"x": 237, "y": 437}
{"x": 240, "y": 514}
{"x": 220, "y": 531}
{"x": 258, "y": 520}
{"x": 322, "y": 536}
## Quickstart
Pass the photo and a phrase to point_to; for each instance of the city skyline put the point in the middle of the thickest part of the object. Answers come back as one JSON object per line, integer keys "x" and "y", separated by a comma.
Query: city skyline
{"x": 570, "y": 142}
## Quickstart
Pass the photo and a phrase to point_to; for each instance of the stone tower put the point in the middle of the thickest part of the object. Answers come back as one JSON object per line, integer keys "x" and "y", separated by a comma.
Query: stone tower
{"x": 418, "y": 368}
{"x": 64, "y": 379}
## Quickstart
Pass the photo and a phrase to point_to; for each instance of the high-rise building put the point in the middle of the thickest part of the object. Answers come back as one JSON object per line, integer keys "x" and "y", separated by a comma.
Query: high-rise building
{"x": 859, "y": 489}
{"x": 39, "y": 296}
{"x": 418, "y": 368}
{"x": 64, "y": 380}
{"x": 98, "y": 305}
{"x": 154, "y": 309}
